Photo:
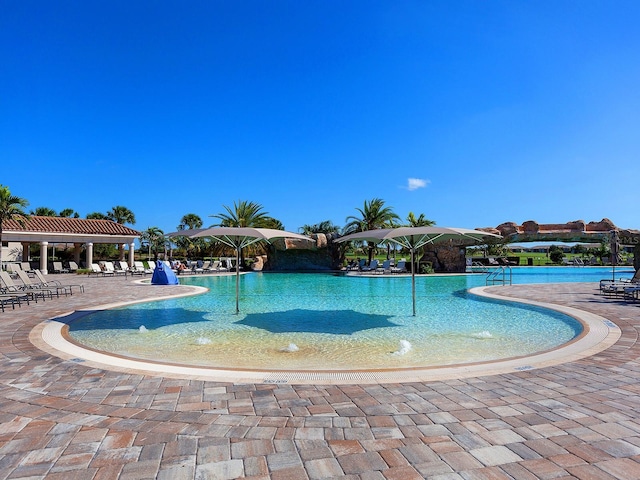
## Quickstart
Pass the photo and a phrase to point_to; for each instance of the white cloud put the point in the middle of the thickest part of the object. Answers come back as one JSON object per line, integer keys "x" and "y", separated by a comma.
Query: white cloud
{"x": 415, "y": 183}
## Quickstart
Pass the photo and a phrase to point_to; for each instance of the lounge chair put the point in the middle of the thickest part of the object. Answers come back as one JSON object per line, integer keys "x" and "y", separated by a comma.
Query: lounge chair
{"x": 400, "y": 268}
{"x": 58, "y": 268}
{"x": 55, "y": 283}
{"x": 109, "y": 269}
{"x": 26, "y": 266}
{"x": 13, "y": 299}
{"x": 11, "y": 287}
{"x": 372, "y": 266}
{"x": 73, "y": 267}
{"x": 29, "y": 284}
{"x": 616, "y": 287}
{"x": 386, "y": 267}
{"x": 141, "y": 269}
{"x": 96, "y": 270}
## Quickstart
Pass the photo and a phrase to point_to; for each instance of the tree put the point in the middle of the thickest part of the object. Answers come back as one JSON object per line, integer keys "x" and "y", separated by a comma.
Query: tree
{"x": 154, "y": 239}
{"x": 373, "y": 215}
{"x": 121, "y": 215}
{"x": 421, "y": 221}
{"x": 11, "y": 208}
{"x": 69, "y": 212}
{"x": 325, "y": 226}
{"x": 243, "y": 214}
{"x": 556, "y": 254}
{"x": 190, "y": 221}
{"x": 246, "y": 214}
{"x": 44, "y": 212}
{"x": 96, "y": 216}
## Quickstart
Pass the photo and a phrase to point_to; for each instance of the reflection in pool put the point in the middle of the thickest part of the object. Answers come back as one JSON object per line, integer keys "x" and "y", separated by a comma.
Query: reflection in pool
{"x": 326, "y": 322}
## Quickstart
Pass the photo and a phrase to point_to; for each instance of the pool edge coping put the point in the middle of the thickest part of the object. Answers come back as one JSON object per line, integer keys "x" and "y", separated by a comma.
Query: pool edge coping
{"x": 599, "y": 334}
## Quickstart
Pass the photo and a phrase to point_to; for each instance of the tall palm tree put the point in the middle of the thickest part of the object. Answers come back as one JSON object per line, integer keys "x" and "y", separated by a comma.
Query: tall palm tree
{"x": 154, "y": 238}
{"x": 246, "y": 214}
{"x": 121, "y": 215}
{"x": 325, "y": 226}
{"x": 11, "y": 208}
{"x": 243, "y": 214}
{"x": 44, "y": 212}
{"x": 373, "y": 215}
{"x": 190, "y": 221}
{"x": 69, "y": 213}
{"x": 421, "y": 221}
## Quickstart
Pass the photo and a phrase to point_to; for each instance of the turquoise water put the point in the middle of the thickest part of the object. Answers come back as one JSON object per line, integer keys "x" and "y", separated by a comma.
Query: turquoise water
{"x": 322, "y": 321}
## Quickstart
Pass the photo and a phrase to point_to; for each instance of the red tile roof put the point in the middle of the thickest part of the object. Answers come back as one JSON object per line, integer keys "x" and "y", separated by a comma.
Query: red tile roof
{"x": 69, "y": 225}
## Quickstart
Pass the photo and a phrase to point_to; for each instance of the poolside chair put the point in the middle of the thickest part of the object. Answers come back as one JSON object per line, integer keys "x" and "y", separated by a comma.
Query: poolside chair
{"x": 55, "y": 283}
{"x": 615, "y": 287}
{"x": 400, "y": 268}
{"x": 386, "y": 267}
{"x": 29, "y": 284}
{"x": 13, "y": 299}
{"x": 11, "y": 287}
{"x": 140, "y": 268}
{"x": 58, "y": 268}
{"x": 372, "y": 266}
{"x": 96, "y": 270}
{"x": 73, "y": 267}
{"x": 109, "y": 269}
{"x": 26, "y": 266}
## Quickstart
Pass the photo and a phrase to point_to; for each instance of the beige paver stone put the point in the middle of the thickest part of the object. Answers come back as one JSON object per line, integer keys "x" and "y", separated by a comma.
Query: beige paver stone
{"x": 497, "y": 455}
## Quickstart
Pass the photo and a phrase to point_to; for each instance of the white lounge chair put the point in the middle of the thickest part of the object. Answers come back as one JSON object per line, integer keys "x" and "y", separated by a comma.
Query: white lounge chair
{"x": 31, "y": 285}
{"x": 55, "y": 283}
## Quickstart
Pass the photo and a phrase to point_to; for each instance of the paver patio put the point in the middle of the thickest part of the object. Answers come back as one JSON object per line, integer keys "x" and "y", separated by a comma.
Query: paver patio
{"x": 61, "y": 419}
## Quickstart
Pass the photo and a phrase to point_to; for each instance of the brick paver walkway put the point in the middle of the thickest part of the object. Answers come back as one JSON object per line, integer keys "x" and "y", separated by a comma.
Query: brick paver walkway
{"x": 60, "y": 419}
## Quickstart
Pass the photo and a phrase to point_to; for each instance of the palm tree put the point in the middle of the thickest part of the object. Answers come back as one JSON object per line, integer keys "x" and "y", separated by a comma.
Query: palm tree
{"x": 373, "y": 215}
{"x": 69, "y": 213}
{"x": 190, "y": 221}
{"x": 325, "y": 226}
{"x": 121, "y": 215}
{"x": 154, "y": 238}
{"x": 96, "y": 216}
{"x": 11, "y": 208}
{"x": 44, "y": 212}
{"x": 421, "y": 221}
{"x": 246, "y": 214}
{"x": 243, "y": 214}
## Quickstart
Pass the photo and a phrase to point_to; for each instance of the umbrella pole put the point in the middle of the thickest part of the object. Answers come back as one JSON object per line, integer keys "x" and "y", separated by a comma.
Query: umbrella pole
{"x": 413, "y": 283}
{"x": 237, "y": 280}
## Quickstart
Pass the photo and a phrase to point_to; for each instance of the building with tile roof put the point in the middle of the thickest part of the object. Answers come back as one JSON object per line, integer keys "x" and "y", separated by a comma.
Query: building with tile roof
{"x": 81, "y": 232}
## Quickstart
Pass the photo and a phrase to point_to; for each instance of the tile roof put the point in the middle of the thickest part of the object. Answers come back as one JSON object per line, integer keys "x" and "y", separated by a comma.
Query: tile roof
{"x": 69, "y": 225}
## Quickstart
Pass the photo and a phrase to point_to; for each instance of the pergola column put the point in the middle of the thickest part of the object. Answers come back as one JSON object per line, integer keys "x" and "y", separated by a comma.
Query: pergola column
{"x": 132, "y": 249}
{"x": 89, "y": 246}
{"x": 43, "y": 257}
{"x": 77, "y": 249}
{"x": 26, "y": 253}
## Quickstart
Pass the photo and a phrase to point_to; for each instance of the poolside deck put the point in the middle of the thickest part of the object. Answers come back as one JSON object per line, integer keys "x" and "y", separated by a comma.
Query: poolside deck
{"x": 62, "y": 419}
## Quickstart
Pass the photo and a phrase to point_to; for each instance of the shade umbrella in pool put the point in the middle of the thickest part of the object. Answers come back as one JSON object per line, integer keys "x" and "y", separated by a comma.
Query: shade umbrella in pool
{"x": 241, "y": 237}
{"x": 416, "y": 237}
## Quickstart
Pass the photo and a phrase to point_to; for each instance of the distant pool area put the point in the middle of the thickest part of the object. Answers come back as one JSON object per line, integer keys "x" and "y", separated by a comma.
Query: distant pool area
{"x": 335, "y": 323}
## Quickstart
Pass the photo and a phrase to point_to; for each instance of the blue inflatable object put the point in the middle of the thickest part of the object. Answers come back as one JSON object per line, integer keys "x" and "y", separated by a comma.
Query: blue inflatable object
{"x": 163, "y": 275}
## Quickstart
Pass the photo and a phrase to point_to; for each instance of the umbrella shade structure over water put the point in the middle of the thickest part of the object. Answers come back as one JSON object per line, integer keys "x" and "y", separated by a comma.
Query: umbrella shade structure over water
{"x": 241, "y": 237}
{"x": 416, "y": 237}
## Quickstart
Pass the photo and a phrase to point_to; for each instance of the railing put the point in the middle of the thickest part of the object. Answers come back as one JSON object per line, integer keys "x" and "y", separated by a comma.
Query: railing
{"x": 502, "y": 275}
{"x": 477, "y": 267}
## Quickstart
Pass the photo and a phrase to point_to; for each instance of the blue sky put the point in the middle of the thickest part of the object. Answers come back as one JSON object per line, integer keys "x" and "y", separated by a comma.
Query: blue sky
{"x": 471, "y": 112}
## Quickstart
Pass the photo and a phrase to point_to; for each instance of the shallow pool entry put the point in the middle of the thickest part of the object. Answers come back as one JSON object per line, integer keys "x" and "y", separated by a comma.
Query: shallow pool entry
{"x": 326, "y": 322}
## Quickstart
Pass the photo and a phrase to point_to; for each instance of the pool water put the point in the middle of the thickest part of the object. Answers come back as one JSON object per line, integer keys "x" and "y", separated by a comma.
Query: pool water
{"x": 293, "y": 321}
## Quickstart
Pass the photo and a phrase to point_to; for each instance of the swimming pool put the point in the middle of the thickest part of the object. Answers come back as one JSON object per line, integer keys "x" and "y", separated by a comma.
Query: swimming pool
{"x": 328, "y": 322}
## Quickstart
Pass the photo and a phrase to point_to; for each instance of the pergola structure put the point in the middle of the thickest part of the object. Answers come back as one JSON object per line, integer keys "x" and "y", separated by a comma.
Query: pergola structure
{"x": 47, "y": 231}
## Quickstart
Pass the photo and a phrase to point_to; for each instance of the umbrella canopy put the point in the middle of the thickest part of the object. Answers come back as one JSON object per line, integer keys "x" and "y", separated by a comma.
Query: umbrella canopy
{"x": 416, "y": 237}
{"x": 239, "y": 238}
